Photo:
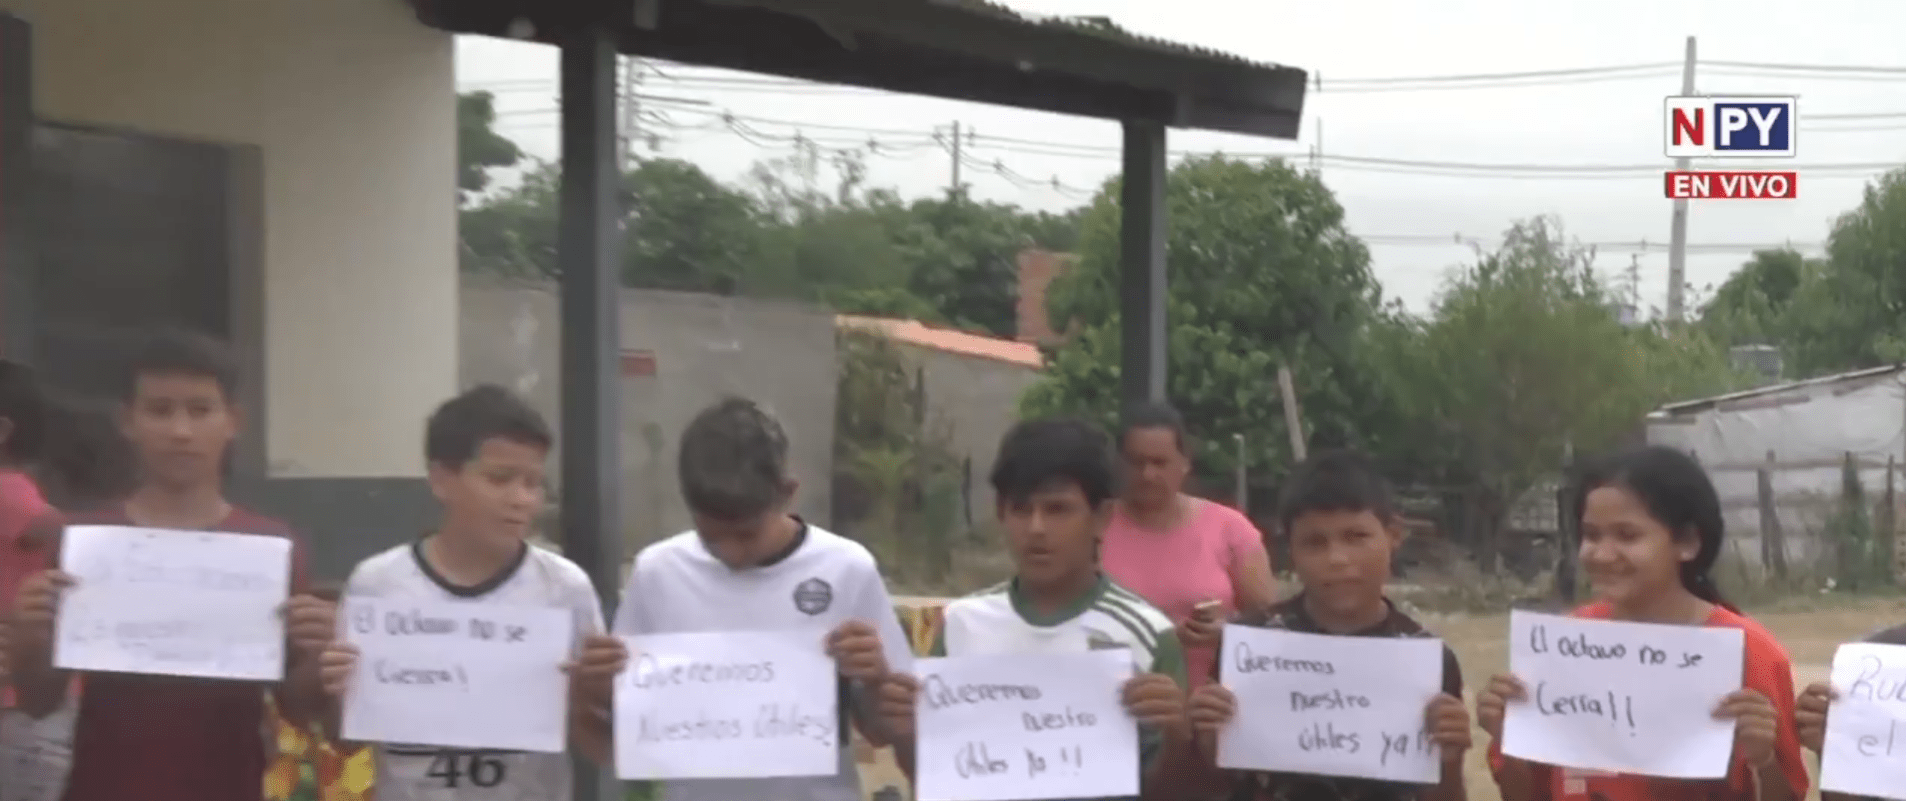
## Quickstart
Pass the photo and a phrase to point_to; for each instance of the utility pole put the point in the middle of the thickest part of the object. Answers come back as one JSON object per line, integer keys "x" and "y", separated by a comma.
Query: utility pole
{"x": 955, "y": 150}
{"x": 631, "y": 103}
{"x": 1678, "y": 228}
{"x": 1634, "y": 288}
{"x": 1317, "y": 145}
{"x": 1317, "y": 150}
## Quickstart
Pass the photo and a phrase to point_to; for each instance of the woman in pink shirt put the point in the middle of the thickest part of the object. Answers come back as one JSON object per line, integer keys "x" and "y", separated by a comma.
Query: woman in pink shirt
{"x": 1197, "y": 560}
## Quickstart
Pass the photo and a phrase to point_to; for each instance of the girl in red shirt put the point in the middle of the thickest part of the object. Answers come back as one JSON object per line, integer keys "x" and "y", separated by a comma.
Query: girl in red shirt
{"x": 1651, "y": 530}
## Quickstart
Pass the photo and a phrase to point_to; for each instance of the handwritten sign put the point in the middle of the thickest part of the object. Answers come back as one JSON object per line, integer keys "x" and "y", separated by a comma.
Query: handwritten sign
{"x": 728, "y": 705}
{"x": 179, "y": 603}
{"x": 1864, "y": 753}
{"x": 1331, "y": 706}
{"x": 999, "y": 728}
{"x": 458, "y": 674}
{"x": 1634, "y": 698}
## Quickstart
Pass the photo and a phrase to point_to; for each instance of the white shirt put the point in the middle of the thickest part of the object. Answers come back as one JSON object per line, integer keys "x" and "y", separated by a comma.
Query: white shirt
{"x": 676, "y": 586}
{"x": 431, "y": 773}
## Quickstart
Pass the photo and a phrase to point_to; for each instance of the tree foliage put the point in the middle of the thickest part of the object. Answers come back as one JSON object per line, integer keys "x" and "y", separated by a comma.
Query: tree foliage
{"x": 802, "y": 226}
{"x": 479, "y": 147}
{"x": 1752, "y": 306}
{"x": 1522, "y": 359}
{"x": 1855, "y": 314}
{"x": 1263, "y": 274}
{"x": 1832, "y": 314}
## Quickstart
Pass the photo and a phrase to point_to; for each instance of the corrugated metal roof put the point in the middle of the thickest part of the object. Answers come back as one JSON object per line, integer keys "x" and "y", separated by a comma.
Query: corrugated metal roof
{"x": 919, "y": 334}
{"x": 1696, "y": 404}
{"x": 1102, "y": 26}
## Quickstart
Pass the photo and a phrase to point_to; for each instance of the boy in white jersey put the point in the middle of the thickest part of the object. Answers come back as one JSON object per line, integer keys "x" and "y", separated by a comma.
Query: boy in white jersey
{"x": 1054, "y": 483}
{"x": 486, "y": 450}
{"x": 750, "y": 565}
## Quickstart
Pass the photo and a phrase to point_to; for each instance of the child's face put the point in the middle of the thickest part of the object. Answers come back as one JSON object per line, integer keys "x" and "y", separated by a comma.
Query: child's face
{"x": 180, "y": 425}
{"x": 1053, "y": 533}
{"x": 1628, "y": 556}
{"x": 1342, "y": 557}
{"x": 497, "y": 494}
{"x": 746, "y": 542}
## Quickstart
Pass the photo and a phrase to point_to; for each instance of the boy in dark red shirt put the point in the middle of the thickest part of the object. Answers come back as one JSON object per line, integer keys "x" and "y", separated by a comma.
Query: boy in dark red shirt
{"x": 166, "y": 738}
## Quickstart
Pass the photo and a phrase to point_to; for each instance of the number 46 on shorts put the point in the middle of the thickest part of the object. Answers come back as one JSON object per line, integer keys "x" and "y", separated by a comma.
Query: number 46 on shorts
{"x": 461, "y": 768}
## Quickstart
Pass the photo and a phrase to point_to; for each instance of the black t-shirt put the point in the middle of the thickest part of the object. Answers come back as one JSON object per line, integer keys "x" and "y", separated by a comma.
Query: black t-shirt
{"x": 1264, "y": 786}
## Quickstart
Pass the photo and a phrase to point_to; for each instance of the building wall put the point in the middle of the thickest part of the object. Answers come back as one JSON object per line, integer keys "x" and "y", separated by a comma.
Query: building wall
{"x": 1037, "y": 269}
{"x": 1800, "y": 435}
{"x": 975, "y": 400}
{"x": 352, "y": 103}
{"x": 778, "y": 354}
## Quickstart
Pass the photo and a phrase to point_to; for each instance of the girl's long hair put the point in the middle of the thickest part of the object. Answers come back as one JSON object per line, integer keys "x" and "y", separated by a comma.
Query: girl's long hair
{"x": 1677, "y": 493}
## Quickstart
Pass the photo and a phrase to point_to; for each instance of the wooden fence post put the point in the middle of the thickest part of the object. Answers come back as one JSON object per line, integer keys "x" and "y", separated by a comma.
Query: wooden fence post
{"x": 1888, "y": 524}
{"x": 1773, "y": 540}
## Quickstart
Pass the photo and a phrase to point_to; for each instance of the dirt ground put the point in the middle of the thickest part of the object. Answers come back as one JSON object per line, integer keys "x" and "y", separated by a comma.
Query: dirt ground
{"x": 1810, "y": 628}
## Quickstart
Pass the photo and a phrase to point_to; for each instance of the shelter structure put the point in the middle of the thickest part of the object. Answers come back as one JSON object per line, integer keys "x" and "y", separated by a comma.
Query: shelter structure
{"x": 279, "y": 173}
{"x": 1780, "y": 456}
{"x": 957, "y": 49}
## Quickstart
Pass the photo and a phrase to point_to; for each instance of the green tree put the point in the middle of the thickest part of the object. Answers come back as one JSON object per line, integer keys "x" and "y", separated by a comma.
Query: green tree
{"x": 1754, "y": 305}
{"x": 687, "y": 231}
{"x": 1854, "y": 316}
{"x": 1263, "y": 274}
{"x": 963, "y": 259}
{"x": 1522, "y": 358}
{"x": 479, "y": 147}
{"x": 512, "y": 233}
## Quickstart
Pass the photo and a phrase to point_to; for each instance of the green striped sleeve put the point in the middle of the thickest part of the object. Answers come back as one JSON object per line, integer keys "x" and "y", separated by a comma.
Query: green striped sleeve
{"x": 1168, "y": 658}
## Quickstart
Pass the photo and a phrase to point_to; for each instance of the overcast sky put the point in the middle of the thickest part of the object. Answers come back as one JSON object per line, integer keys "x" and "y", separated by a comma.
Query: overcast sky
{"x": 1606, "y": 122}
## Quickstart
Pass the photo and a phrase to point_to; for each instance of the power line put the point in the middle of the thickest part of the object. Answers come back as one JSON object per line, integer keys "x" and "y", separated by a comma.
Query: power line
{"x": 694, "y": 76}
{"x": 1835, "y": 69}
{"x": 1638, "y": 246}
{"x": 1366, "y": 163}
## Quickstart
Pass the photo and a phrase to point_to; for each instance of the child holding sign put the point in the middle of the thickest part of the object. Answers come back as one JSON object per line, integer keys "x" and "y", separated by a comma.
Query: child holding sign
{"x": 1343, "y": 527}
{"x": 751, "y": 565}
{"x": 1810, "y": 709}
{"x": 1651, "y": 529}
{"x": 1054, "y": 481}
{"x": 170, "y": 737}
{"x": 486, "y": 451}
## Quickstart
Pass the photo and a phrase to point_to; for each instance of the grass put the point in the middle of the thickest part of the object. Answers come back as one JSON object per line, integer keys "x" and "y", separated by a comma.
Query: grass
{"x": 1810, "y": 628}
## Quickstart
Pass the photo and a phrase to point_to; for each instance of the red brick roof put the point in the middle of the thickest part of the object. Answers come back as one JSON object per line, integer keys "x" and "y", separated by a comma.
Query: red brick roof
{"x": 919, "y": 334}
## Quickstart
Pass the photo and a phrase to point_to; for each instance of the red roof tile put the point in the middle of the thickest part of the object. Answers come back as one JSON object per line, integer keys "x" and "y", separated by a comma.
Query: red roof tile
{"x": 918, "y": 334}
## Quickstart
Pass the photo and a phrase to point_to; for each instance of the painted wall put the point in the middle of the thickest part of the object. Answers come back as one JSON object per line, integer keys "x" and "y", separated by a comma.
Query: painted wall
{"x": 778, "y": 354}
{"x": 974, "y": 401}
{"x": 353, "y": 105}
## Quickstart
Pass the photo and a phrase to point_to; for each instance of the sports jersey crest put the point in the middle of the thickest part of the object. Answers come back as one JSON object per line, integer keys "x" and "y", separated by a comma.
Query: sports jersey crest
{"x": 813, "y": 596}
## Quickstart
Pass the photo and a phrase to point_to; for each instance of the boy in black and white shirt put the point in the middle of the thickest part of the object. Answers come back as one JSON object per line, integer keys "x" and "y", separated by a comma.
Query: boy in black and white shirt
{"x": 749, "y": 565}
{"x": 486, "y": 450}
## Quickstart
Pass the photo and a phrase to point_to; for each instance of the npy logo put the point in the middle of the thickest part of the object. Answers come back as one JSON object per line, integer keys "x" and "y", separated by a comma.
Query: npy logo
{"x": 1731, "y": 127}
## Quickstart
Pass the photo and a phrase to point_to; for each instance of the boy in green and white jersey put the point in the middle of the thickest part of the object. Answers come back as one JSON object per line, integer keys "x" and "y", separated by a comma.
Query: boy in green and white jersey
{"x": 1054, "y": 482}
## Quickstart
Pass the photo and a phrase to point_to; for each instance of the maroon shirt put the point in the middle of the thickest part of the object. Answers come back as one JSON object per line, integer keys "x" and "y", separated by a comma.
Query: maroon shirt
{"x": 172, "y": 738}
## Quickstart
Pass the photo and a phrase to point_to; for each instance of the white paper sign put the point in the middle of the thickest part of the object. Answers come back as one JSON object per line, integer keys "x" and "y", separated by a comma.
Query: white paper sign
{"x": 178, "y": 603}
{"x": 1634, "y": 698}
{"x": 1865, "y": 749}
{"x": 458, "y": 674}
{"x": 1331, "y": 705}
{"x": 728, "y": 705}
{"x": 1031, "y": 726}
